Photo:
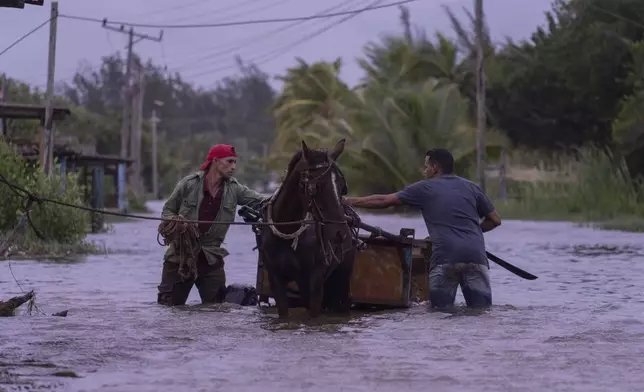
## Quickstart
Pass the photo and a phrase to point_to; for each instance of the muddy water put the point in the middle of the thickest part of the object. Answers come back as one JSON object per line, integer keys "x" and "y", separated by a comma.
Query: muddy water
{"x": 579, "y": 327}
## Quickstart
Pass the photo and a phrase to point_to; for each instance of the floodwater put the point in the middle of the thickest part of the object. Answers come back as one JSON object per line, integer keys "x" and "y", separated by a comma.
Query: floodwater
{"x": 579, "y": 327}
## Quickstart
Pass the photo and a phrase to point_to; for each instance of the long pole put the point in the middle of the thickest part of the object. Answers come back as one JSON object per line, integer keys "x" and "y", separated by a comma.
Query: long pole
{"x": 127, "y": 104}
{"x": 126, "y": 134}
{"x": 3, "y": 121}
{"x": 127, "y": 97}
{"x": 480, "y": 95}
{"x": 135, "y": 142}
{"x": 47, "y": 155}
{"x": 155, "y": 179}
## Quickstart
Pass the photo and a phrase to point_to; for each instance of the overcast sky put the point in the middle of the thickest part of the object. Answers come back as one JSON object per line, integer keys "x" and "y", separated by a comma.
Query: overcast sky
{"x": 205, "y": 55}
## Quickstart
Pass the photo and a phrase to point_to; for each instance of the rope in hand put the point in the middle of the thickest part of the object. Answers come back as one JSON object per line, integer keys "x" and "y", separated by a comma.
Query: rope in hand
{"x": 185, "y": 237}
{"x": 28, "y": 194}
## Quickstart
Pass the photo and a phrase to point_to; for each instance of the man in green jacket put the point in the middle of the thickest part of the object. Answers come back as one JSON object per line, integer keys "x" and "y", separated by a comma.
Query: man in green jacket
{"x": 210, "y": 194}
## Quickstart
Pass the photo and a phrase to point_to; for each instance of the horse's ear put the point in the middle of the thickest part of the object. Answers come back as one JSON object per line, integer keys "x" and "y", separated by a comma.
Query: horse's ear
{"x": 338, "y": 149}
{"x": 305, "y": 150}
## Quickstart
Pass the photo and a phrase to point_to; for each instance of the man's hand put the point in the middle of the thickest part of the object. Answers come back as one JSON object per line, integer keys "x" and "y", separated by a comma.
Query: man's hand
{"x": 183, "y": 221}
{"x": 491, "y": 221}
{"x": 348, "y": 200}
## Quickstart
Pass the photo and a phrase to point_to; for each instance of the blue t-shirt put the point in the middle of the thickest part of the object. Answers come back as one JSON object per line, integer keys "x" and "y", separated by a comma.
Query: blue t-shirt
{"x": 452, "y": 207}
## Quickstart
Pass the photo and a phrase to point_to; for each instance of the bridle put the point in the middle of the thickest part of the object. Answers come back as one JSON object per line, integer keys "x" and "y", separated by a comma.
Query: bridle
{"x": 310, "y": 187}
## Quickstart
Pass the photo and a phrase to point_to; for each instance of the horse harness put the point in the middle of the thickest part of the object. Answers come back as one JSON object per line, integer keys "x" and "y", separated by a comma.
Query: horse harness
{"x": 310, "y": 188}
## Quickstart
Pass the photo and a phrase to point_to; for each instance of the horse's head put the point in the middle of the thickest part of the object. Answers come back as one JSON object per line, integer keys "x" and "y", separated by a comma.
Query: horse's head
{"x": 321, "y": 181}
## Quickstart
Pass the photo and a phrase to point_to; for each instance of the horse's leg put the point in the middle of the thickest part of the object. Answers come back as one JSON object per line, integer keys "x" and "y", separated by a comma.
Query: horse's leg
{"x": 342, "y": 284}
{"x": 316, "y": 288}
{"x": 278, "y": 285}
{"x": 304, "y": 286}
{"x": 279, "y": 293}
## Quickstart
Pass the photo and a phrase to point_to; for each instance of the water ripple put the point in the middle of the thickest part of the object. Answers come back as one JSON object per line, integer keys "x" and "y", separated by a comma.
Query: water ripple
{"x": 577, "y": 328}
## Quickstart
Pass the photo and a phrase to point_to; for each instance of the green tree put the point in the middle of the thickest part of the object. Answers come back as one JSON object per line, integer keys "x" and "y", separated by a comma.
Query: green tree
{"x": 563, "y": 87}
{"x": 310, "y": 93}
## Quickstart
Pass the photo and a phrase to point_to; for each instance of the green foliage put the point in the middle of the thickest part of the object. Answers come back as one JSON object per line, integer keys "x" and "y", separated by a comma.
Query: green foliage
{"x": 563, "y": 88}
{"x": 576, "y": 82}
{"x": 597, "y": 187}
{"x": 56, "y": 223}
{"x": 628, "y": 127}
{"x": 191, "y": 119}
{"x": 409, "y": 101}
{"x": 311, "y": 93}
{"x": 395, "y": 129}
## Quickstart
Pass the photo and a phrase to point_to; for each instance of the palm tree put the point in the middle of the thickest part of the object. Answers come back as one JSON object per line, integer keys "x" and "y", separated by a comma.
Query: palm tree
{"x": 310, "y": 93}
{"x": 393, "y": 128}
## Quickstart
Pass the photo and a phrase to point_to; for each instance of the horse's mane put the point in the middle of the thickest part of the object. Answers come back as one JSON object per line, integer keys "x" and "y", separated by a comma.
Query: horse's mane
{"x": 295, "y": 159}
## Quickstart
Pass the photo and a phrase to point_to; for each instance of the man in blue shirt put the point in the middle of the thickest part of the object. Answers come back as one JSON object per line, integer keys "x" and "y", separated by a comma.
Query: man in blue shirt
{"x": 452, "y": 208}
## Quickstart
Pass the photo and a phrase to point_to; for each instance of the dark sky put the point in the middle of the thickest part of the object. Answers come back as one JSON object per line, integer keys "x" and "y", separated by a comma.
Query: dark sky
{"x": 184, "y": 49}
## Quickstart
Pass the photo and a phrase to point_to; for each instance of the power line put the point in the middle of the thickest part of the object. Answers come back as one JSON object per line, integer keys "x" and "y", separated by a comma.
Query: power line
{"x": 5, "y": 50}
{"x": 238, "y": 23}
{"x": 286, "y": 48}
{"x": 222, "y": 47}
{"x": 256, "y": 10}
{"x": 217, "y": 11}
{"x": 148, "y": 13}
{"x": 229, "y": 49}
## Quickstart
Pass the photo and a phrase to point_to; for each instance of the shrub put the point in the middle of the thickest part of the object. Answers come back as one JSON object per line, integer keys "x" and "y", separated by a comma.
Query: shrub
{"x": 56, "y": 223}
{"x": 595, "y": 186}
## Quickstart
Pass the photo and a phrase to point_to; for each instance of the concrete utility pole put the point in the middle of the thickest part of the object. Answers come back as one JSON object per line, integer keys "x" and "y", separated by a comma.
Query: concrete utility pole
{"x": 480, "y": 94}
{"x": 47, "y": 153}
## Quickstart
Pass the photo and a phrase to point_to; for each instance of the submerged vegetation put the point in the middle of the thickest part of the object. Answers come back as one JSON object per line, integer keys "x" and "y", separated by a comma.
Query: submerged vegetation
{"x": 51, "y": 230}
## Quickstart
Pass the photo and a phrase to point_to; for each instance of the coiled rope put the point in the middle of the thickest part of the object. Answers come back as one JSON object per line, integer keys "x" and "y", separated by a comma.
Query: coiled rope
{"x": 185, "y": 238}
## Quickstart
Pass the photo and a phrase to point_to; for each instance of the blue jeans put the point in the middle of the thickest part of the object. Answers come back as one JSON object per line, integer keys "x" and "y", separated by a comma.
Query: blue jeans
{"x": 474, "y": 280}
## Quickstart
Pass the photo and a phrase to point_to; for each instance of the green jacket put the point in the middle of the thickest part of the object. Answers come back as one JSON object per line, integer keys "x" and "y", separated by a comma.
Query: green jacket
{"x": 185, "y": 201}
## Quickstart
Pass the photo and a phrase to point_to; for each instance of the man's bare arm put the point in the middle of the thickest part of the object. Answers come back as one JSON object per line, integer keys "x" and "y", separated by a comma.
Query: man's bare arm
{"x": 491, "y": 221}
{"x": 373, "y": 201}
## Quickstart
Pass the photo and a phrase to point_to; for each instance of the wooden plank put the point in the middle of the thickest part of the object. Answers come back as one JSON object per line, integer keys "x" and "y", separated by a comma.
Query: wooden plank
{"x": 381, "y": 275}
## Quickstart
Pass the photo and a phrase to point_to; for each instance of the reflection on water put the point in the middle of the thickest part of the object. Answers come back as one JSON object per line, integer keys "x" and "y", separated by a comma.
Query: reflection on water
{"x": 579, "y": 327}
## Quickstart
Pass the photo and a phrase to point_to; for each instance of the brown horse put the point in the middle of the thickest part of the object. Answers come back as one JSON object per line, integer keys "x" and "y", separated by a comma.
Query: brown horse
{"x": 311, "y": 254}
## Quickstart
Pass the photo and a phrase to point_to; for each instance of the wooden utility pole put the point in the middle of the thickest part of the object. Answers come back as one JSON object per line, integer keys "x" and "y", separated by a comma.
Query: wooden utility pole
{"x": 127, "y": 96}
{"x": 47, "y": 153}
{"x": 155, "y": 174}
{"x": 480, "y": 94}
{"x": 3, "y": 121}
{"x": 127, "y": 91}
{"x": 135, "y": 140}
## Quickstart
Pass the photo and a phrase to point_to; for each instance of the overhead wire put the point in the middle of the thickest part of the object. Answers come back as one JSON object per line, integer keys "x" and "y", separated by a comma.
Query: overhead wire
{"x": 267, "y": 57}
{"x": 147, "y": 14}
{"x": 194, "y": 54}
{"x": 217, "y": 11}
{"x": 349, "y": 14}
{"x": 234, "y": 47}
{"x": 235, "y": 23}
{"x": 16, "y": 42}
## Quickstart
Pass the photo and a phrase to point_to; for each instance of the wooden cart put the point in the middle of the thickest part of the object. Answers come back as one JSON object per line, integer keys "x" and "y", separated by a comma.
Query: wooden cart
{"x": 386, "y": 274}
